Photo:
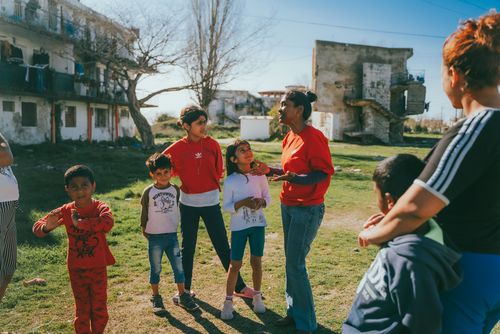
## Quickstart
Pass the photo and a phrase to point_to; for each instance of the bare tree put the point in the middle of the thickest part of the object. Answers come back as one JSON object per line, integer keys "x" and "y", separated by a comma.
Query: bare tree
{"x": 219, "y": 45}
{"x": 133, "y": 54}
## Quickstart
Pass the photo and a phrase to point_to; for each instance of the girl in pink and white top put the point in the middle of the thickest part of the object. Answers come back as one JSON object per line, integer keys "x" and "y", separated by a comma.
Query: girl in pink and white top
{"x": 244, "y": 197}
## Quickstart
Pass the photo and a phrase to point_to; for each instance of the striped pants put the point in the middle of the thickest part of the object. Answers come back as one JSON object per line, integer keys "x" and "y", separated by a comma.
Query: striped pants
{"x": 8, "y": 239}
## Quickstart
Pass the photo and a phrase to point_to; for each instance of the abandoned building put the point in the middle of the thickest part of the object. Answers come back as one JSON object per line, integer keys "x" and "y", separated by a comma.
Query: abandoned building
{"x": 364, "y": 92}
{"x": 49, "y": 91}
{"x": 229, "y": 105}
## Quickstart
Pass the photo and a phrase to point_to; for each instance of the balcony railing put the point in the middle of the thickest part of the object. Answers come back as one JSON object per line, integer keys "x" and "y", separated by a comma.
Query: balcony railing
{"x": 45, "y": 82}
{"x": 404, "y": 78}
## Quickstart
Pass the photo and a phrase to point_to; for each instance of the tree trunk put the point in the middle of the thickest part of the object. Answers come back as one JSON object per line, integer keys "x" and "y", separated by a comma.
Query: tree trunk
{"x": 140, "y": 121}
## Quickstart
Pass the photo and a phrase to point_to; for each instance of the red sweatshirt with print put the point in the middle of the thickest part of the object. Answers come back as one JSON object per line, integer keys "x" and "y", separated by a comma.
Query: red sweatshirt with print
{"x": 199, "y": 165}
{"x": 304, "y": 153}
{"x": 87, "y": 246}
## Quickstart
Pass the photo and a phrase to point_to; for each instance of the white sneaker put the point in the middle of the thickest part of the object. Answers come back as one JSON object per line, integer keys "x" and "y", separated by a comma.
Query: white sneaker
{"x": 258, "y": 304}
{"x": 227, "y": 310}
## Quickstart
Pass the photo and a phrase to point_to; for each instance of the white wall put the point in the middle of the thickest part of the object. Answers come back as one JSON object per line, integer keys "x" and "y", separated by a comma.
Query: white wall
{"x": 104, "y": 133}
{"x": 11, "y": 127}
{"x": 10, "y": 122}
{"x": 254, "y": 127}
{"x": 327, "y": 123}
{"x": 80, "y": 131}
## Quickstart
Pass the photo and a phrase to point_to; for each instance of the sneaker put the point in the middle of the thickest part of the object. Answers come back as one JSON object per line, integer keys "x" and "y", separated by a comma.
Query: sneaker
{"x": 247, "y": 292}
{"x": 187, "y": 302}
{"x": 227, "y": 310}
{"x": 285, "y": 321}
{"x": 158, "y": 307}
{"x": 258, "y": 305}
{"x": 175, "y": 298}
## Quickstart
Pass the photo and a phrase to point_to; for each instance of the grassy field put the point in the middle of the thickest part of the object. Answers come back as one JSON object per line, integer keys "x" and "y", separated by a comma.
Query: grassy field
{"x": 335, "y": 263}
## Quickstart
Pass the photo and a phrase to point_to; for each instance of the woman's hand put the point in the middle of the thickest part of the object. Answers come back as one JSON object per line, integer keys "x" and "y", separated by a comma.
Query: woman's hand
{"x": 363, "y": 240}
{"x": 259, "y": 168}
{"x": 373, "y": 220}
{"x": 288, "y": 176}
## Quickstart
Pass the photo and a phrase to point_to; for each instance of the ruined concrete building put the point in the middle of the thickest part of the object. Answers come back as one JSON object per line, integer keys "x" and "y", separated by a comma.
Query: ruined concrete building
{"x": 48, "y": 89}
{"x": 229, "y": 105}
{"x": 364, "y": 92}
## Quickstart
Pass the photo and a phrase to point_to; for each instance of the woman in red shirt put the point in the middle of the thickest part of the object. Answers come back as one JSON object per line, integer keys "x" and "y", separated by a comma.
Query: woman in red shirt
{"x": 306, "y": 171}
{"x": 197, "y": 161}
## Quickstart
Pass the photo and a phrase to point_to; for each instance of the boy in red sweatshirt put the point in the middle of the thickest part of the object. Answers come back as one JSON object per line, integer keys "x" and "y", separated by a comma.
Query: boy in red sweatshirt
{"x": 86, "y": 221}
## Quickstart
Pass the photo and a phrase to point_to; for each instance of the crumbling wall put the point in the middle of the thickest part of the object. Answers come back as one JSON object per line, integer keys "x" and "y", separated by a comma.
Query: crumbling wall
{"x": 377, "y": 83}
{"x": 338, "y": 76}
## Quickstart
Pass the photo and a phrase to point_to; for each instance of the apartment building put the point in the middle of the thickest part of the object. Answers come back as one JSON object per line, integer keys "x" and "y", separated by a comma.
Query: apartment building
{"x": 51, "y": 87}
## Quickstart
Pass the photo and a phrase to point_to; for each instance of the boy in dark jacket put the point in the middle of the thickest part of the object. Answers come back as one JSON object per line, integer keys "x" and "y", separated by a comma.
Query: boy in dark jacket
{"x": 400, "y": 291}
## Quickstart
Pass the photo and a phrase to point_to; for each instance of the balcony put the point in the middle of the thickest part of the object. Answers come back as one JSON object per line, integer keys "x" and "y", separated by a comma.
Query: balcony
{"x": 44, "y": 82}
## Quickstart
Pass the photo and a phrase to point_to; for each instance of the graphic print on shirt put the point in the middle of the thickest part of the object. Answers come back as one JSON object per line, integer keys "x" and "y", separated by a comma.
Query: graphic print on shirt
{"x": 85, "y": 242}
{"x": 198, "y": 155}
{"x": 164, "y": 202}
{"x": 374, "y": 285}
{"x": 7, "y": 171}
{"x": 252, "y": 216}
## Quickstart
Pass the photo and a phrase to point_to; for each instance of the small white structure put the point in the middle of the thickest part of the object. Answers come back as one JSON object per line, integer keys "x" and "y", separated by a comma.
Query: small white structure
{"x": 326, "y": 122}
{"x": 254, "y": 127}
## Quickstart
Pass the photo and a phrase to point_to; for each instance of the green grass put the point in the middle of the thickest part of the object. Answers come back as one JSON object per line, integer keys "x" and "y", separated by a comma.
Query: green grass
{"x": 335, "y": 264}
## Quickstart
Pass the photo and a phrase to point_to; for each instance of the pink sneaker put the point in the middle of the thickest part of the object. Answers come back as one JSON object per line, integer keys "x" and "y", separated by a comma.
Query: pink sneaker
{"x": 247, "y": 292}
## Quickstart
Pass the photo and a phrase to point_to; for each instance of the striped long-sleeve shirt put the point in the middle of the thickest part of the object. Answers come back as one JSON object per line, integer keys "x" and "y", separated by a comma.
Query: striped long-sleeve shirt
{"x": 463, "y": 170}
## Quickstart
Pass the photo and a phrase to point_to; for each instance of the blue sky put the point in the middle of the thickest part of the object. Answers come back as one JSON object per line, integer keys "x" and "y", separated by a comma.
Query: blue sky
{"x": 419, "y": 24}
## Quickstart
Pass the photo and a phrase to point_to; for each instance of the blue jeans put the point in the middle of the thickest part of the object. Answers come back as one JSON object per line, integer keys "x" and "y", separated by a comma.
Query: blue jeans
{"x": 473, "y": 307}
{"x": 157, "y": 245}
{"x": 300, "y": 226}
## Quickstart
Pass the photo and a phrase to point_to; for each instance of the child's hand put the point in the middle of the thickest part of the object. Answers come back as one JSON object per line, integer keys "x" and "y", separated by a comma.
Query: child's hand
{"x": 259, "y": 203}
{"x": 288, "y": 176}
{"x": 373, "y": 220}
{"x": 249, "y": 202}
{"x": 54, "y": 219}
{"x": 75, "y": 217}
{"x": 144, "y": 232}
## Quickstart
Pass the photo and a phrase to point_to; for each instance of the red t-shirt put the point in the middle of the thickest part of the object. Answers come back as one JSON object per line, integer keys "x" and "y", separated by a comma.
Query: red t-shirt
{"x": 87, "y": 246}
{"x": 199, "y": 165}
{"x": 303, "y": 153}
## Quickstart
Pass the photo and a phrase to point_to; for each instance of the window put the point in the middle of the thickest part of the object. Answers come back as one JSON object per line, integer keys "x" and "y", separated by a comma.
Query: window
{"x": 124, "y": 113}
{"x": 28, "y": 114}
{"x": 100, "y": 117}
{"x": 8, "y": 106}
{"x": 52, "y": 15}
{"x": 18, "y": 9}
{"x": 70, "y": 117}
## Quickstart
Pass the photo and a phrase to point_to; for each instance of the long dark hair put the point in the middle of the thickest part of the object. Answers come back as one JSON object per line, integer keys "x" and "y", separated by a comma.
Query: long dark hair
{"x": 232, "y": 167}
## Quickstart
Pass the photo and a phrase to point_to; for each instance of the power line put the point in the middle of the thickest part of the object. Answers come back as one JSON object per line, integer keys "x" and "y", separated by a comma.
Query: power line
{"x": 354, "y": 28}
{"x": 443, "y": 7}
{"x": 473, "y": 4}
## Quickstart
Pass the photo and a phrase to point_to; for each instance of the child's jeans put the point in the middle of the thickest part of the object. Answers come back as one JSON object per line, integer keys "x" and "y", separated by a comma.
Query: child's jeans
{"x": 89, "y": 289}
{"x": 164, "y": 243}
